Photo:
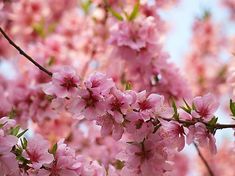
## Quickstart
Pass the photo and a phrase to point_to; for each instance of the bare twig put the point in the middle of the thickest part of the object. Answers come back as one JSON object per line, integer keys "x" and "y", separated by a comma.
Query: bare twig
{"x": 24, "y": 54}
{"x": 204, "y": 160}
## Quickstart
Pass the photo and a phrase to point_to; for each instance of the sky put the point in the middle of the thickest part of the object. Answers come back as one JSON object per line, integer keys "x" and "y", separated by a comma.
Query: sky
{"x": 181, "y": 18}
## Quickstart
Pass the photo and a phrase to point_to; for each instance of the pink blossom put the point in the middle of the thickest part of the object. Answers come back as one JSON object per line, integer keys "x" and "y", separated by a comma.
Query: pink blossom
{"x": 8, "y": 163}
{"x": 65, "y": 162}
{"x": 147, "y": 105}
{"x": 184, "y": 115}
{"x": 137, "y": 127}
{"x": 200, "y": 134}
{"x": 88, "y": 105}
{"x": 7, "y": 123}
{"x": 205, "y": 107}
{"x": 37, "y": 152}
{"x": 99, "y": 83}
{"x": 110, "y": 127}
{"x": 174, "y": 132}
{"x": 118, "y": 104}
{"x": 146, "y": 158}
{"x": 64, "y": 83}
{"x": 135, "y": 39}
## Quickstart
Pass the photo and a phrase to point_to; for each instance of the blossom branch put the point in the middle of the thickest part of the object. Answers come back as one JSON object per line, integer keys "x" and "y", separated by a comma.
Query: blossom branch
{"x": 216, "y": 126}
{"x": 24, "y": 54}
{"x": 204, "y": 160}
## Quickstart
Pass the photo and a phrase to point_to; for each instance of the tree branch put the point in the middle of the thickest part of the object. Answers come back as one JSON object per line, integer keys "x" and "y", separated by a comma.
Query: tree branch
{"x": 24, "y": 54}
{"x": 216, "y": 126}
{"x": 203, "y": 160}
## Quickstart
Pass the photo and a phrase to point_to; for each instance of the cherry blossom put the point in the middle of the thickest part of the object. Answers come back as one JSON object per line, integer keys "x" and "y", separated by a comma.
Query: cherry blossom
{"x": 37, "y": 152}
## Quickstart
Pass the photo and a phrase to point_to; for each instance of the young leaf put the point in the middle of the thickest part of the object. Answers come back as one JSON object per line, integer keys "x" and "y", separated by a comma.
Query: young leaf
{"x": 128, "y": 86}
{"x": 24, "y": 143}
{"x": 119, "y": 164}
{"x": 14, "y": 131}
{"x": 115, "y": 14}
{"x": 176, "y": 115}
{"x": 213, "y": 121}
{"x": 12, "y": 113}
{"x": 134, "y": 12}
{"x": 54, "y": 149}
{"x": 1, "y": 125}
{"x": 232, "y": 107}
{"x": 86, "y": 6}
{"x": 187, "y": 105}
{"x": 22, "y": 133}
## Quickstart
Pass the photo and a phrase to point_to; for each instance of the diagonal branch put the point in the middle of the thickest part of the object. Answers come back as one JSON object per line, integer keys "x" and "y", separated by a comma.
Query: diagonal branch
{"x": 24, "y": 54}
{"x": 204, "y": 160}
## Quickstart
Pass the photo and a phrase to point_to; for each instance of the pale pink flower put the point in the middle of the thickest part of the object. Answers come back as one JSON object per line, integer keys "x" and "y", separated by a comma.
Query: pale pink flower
{"x": 88, "y": 105}
{"x": 93, "y": 168}
{"x": 64, "y": 83}
{"x": 99, "y": 83}
{"x": 201, "y": 134}
{"x": 184, "y": 115}
{"x": 110, "y": 127}
{"x": 147, "y": 105}
{"x": 7, "y": 123}
{"x": 8, "y": 163}
{"x": 174, "y": 132}
{"x": 37, "y": 152}
{"x": 205, "y": 107}
{"x": 147, "y": 158}
{"x": 137, "y": 127}
{"x": 65, "y": 162}
{"x": 118, "y": 104}
{"x": 136, "y": 39}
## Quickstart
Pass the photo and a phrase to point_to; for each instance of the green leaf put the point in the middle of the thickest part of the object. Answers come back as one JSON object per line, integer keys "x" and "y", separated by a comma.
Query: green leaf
{"x": 176, "y": 115}
{"x": 51, "y": 60}
{"x": 187, "y": 105}
{"x": 119, "y": 164}
{"x": 22, "y": 133}
{"x": 53, "y": 149}
{"x": 115, "y": 14}
{"x": 213, "y": 121}
{"x": 128, "y": 86}
{"x": 24, "y": 143}
{"x": 1, "y": 125}
{"x": 39, "y": 28}
{"x": 22, "y": 159}
{"x": 86, "y": 6}
{"x": 156, "y": 128}
{"x": 12, "y": 113}
{"x": 185, "y": 109}
{"x": 14, "y": 131}
{"x": 232, "y": 107}
{"x": 134, "y": 12}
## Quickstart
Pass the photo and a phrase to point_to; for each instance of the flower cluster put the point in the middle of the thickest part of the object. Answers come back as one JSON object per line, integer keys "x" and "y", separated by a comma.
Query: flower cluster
{"x": 151, "y": 127}
{"x": 106, "y": 99}
{"x": 33, "y": 156}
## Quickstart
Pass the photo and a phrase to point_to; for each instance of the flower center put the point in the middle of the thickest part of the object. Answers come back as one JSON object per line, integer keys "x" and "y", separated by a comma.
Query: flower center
{"x": 69, "y": 83}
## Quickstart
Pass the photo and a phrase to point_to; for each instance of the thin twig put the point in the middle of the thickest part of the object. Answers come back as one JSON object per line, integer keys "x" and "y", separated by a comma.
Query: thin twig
{"x": 24, "y": 54}
{"x": 204, "y": 160}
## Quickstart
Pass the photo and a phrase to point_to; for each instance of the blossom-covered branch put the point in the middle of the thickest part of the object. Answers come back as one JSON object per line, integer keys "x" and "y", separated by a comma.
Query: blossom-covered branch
{"x": 131, "y": 121}
{"x": 24, "y": 54}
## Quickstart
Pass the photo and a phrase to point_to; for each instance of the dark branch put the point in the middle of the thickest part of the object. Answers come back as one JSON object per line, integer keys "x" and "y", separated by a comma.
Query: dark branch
{"x": 204, "y": 160}
{"x": 24, "y": 54}
{"x": 216, "y": 126}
